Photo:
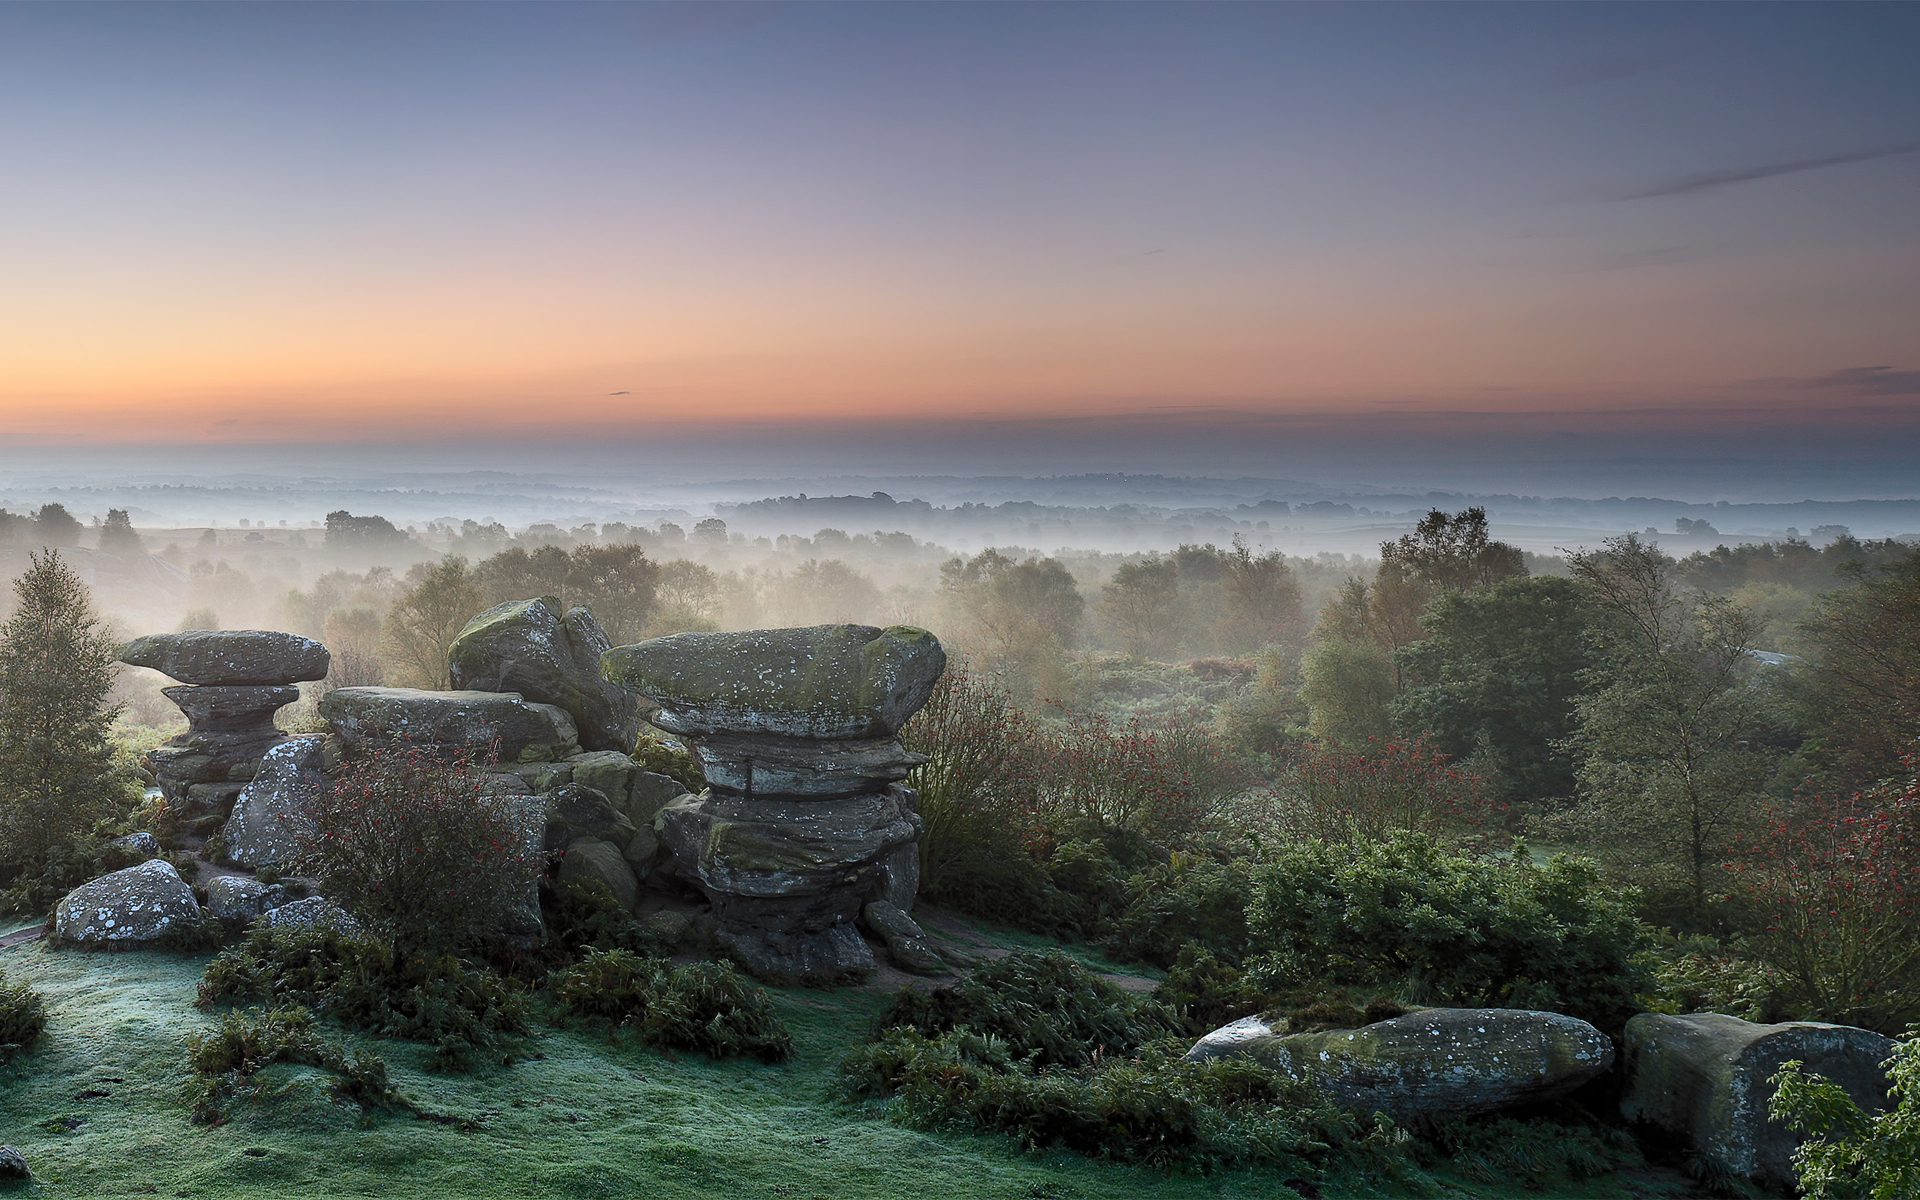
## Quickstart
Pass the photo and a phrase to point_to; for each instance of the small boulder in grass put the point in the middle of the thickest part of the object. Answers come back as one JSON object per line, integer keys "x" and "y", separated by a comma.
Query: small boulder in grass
{"x": 13, "y": 1166}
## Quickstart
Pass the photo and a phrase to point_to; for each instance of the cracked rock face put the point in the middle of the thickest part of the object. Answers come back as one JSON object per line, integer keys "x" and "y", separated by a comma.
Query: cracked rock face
{"x": 126, "y": 908}
{"x": 230, "y": 657}
{"x": 1705, "y": 1078}
{"x": 549, "y": 657}
{"x": 1438, "y": 1061}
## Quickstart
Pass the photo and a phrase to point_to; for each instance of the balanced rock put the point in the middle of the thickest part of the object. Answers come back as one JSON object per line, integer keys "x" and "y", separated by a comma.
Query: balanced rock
{"x": 529, "y": 647}
{"x": 126, "y": 908}
{"x": 467, "y": 722}
{"x": 1705, "y": 1078}
{"x": 223, "y": 657}
{"x": 1437, "y": 1061}
{"x": 275, "y": 810}
{"x": 242, "y": 897}
{"x": 823, "y": 681}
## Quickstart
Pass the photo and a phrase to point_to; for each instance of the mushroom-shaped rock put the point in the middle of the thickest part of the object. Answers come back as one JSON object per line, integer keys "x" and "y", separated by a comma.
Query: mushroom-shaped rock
{"x": 126, "y": 908}
{"x": 549, "y": 657}
{"x": 230, "y": 657}
{"x": 1705, "y": 1078}
{"x": 465, "y": 722}
{"x": 823, "y": 681}
{"x": 1457, "y": 1061}
{"x": 275, "y": 809}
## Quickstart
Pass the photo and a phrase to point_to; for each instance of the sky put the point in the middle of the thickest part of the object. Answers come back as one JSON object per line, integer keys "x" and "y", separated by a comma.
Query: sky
{"x": 941, "y": 237}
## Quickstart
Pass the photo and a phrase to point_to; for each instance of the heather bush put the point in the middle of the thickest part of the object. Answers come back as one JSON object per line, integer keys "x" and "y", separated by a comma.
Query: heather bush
{"x": 366, "y": 984}
{"x": 23, "y": 1017}
{"x": 705, "y": 1006}
{"x": 412, "y": 845}
{"x": 226, "y": 1061}
{"x": 1044, "y": 1008}
{"x": 1163, "y": 782}
{"x": 1447, "y": 928}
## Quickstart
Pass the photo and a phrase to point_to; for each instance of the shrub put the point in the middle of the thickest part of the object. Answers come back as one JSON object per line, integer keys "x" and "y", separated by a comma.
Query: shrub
{"x": 1849, "y": 1154}
{"x": 226, "y": 1061}
{"x": 1208, "y": 992}
{"x": 23, "y": 1017}
{"x": 412, "y": 845}
{"x": 1833, "y": 886}
{"x": 1377, "y": 790}
{"x": 1536, "y": 1154}
{"x": 671, "y": 759}
{"x": 1449, "y": 928}
{"x": 1045, "y": 1008}
{"x": 1695, "y": 974}
{"x": 1155, "y": 1109}
{"x": 1189, "y": 899}
{"x": 586, "y": 915}
{"x": 706, "y": 1006}
{"x": 367, "y": 984}
{"x": 1162, "y": 782}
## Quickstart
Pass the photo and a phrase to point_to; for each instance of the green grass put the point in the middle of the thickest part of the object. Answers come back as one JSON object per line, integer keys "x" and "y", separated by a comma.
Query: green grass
{"x": 592, "y": 1118}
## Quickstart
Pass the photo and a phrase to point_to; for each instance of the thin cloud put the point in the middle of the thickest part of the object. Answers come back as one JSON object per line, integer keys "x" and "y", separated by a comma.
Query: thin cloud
{"x": 1714, "y": 179}
{"x": 1877, "y": 381}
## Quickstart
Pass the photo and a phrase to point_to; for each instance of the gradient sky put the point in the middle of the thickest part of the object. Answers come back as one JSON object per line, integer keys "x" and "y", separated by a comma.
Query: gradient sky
{"x": 249, "y": 223}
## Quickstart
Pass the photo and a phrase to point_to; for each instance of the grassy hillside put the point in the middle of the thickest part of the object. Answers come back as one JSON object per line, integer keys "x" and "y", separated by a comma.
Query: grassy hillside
{"x": 95, "y": 1107}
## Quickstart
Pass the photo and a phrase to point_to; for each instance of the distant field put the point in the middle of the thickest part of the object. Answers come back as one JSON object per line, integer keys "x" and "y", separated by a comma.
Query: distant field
{"x": 589, "y": 1119}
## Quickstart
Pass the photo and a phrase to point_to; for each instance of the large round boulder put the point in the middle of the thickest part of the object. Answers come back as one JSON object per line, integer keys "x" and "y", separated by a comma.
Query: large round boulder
{"x": 1706, "y": 1078}
{"x": 1434, "y": 1062}
{"x": 126, "y": 908}
{"x": 230, "y": 657}
{"x": 531, "y": 647}
{"x": 823, "y": 681}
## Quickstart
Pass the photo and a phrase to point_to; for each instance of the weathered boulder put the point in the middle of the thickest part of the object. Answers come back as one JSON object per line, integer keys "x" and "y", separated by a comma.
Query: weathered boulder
{"x": 1704, "y": 1077}
{"x": 1452, "y": 1061}
{"x": 587, "y": 814}
{"x": 313, "y": 913}
{"x": 650, "y": 793}
{"x": 139, "y": 843}
{"x": 670, "y": 926}
{"x": 230, "y": 708}
{"x": 608, "y": 772}
{"x": 458, "y": 722}
{"x": 642, "y": 848}
{"x": 242, "y": 897}
{"x": 825, "y": 681}
{"x": 13, "y": 1165}
{"x": 761, "y": 764}
{"x": 590, "y": 858}
{"x": 275, "y": 809}
{"x": 899, "y": 879}
{"x": 222, "y": 657}
{"x": 229, "y": 729}
{"x": 127, "y": 907}
{"x": 907, "y": 943}
{"x": 531, "y": 648}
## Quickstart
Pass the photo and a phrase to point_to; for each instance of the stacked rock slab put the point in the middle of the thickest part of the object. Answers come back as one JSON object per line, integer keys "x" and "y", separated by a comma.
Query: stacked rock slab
{"x": 797, "y": 732}
{"x": 236, "y": 679}
{"x": 1707, "y": 1079}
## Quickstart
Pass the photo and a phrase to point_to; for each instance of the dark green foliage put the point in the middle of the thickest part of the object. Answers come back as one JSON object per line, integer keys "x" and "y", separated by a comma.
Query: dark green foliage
{"x": 58, "y": 779}
{"x": 1045, "y": 1008}
{"x": 1537, "y": 1154}
{"x": 585, "y": 915}
{"x": 1448, "y": 928}
{"x": 1155, "y": 1109}
{"x": 22, "y": 1017}
{"x": 1498, "y": 674}
{"x": 366, "y": 984}
{"x": 226, "y": 1061}
{"x": 1695, "y": 975}
{"x": 1208, "y": 992}
{"x": 706, "y": 1006}
{"x": 671, "y": 759}
{"x": 1190, "y": 899}
{"x": 1859, "y": 693}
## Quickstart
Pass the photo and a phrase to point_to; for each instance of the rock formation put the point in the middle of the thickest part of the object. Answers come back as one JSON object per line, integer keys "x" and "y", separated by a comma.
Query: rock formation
{"x": 235, "y": 681}
{"x": 1438, "y": 1061}
{"x": 530, "y": 647}
{"x": 796, "y": 730}
{"x": 272, "y": 812}
{"x": 470, "y": 723}
{"x": 1704, "y": 1078}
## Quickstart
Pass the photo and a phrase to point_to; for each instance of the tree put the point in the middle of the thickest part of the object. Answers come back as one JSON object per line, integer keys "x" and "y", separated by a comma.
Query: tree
{"x": 56, "y": 755}
{"x": 117, "y": 536}
{"x": 617, "y": 582}
{"x": 1861, "y": 702}
{"x": 1022, "y": 614}
{"x": 1142, "y": 600}
{"x": 818, "y": 593}
{"x": 55, "y": 526}
{"x": 1498, "y": 674}
{"x": 425, "y": 619}
{"x": 1261, "y": 599}
{"x": 1347, "y": 686}
{"x": 1377, "y": 790}
{"x": 687, "y": 596}
{"x": 352, "y": 636}
{"x": 1670, "y": 725}
{"x": 348, "y": 532}
{"x": 1452, "y": 553}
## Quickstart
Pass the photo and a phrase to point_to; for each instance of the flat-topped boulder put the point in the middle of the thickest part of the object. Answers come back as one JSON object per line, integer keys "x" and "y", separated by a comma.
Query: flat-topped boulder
{"x": 230, "y": 657}
{"x": 1438, "y": 1061}
{"x": 1706, "y": 1078}
{"x": 532, "y": 648}
{"x": 822, "y": 681}
{"x": 465, "y": 722}
{"x": 126, "y": 908}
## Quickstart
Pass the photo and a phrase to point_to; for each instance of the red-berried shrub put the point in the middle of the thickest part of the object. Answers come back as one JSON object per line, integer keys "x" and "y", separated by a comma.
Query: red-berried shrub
{"x": 1161, "y": 781}
{"x": 413, "y": 845}
{"x": 1832, "y": 889}
{"x": 1383, "y": 788}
